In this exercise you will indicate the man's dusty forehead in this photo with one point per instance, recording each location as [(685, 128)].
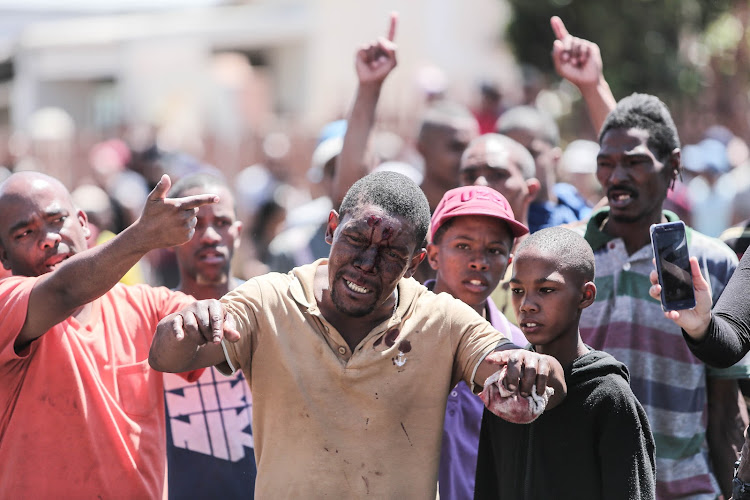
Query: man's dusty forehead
[(368, 214)]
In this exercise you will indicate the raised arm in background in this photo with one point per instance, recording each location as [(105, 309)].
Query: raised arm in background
[(373, 63), (580, 62)]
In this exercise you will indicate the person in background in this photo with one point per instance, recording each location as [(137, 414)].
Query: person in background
[(301, 241), (472, 234), (711, 189), (209, 434), (444, 132), (638, 160), (501, 163), (490, 106), (718, 336), (578, 167), (445, 129), (506, 166), (697, 437), (555, 202), (82, 412)]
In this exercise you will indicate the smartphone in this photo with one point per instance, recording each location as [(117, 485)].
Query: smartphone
[(673, 266)]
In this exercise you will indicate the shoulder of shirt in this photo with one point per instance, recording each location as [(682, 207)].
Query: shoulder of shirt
[(140, 290), (13, 282), (272, 278), (443, 302), (715, 247), (734, 232)]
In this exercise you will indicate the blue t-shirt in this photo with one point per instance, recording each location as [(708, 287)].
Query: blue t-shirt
[(570, 207)]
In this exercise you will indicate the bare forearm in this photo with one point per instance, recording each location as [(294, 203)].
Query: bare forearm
[(79, 280), (351, 164), (92, 273), (599, 102)]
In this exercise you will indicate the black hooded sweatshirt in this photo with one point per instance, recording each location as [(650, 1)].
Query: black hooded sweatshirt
[(597, 444)]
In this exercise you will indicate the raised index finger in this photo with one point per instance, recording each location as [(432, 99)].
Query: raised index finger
[(559, 28), (392, 26), (196, 200)]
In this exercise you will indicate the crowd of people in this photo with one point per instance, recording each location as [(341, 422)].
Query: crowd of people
[(476, 316)]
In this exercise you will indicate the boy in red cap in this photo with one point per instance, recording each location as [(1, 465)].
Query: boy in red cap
[(472, 233)]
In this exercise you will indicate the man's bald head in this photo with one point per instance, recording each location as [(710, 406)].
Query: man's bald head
[(495, 149), (40, 225), (22, 182)]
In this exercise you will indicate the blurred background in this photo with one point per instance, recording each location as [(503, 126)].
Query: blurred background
[(111, 93)]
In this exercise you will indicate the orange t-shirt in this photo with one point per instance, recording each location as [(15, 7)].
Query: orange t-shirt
[(81, 411)]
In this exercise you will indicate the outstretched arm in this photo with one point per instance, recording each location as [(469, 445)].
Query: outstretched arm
[(191, 339), (525, 368), (164, 222), (373, 62), (580, 62)]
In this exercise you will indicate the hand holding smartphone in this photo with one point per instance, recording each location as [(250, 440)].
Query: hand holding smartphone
[(673, 265)]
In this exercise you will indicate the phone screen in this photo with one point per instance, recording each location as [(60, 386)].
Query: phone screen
[(673, 265)]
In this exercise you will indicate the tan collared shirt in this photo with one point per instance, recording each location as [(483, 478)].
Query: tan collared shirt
[(329, 422)]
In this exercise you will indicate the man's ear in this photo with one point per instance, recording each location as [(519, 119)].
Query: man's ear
[(415, 261), (237, 230), (556, 154), (588, 296), (673, 164), (333, 223), (83, 219), (4, 257), (533, 186), (432, 255)]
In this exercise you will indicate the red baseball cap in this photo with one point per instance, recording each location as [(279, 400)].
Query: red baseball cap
[(475, 200)]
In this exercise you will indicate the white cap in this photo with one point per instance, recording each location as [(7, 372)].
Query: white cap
[(326, 150), (580, 157), (403, 168)]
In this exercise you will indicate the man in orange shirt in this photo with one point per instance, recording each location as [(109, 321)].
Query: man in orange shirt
[(81, 412)]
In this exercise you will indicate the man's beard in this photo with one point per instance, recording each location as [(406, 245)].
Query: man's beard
[(356, 313)]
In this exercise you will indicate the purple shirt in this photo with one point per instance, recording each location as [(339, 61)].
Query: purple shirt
[(463, 418)]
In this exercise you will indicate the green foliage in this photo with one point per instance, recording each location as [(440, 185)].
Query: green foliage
[(639, 39)]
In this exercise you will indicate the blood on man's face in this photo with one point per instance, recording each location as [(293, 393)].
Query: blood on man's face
[(371, 250)]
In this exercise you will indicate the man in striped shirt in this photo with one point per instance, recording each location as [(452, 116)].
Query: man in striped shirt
[(694, 411)]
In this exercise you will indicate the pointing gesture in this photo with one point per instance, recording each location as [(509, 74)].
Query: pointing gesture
[(576, 59), (166, 222), (375, 61), (580, 62)]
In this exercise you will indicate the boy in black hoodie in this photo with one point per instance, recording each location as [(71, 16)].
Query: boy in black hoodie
[(597, 444)]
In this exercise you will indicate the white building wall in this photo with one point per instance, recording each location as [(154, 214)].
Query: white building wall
[(161, 61)]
